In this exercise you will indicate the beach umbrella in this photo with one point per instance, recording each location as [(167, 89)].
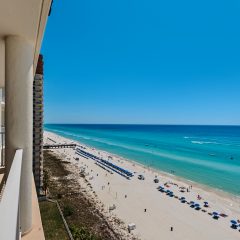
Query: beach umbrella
[(206, 204), (233, 222), (182, 199), (215, 215), (197, 205)]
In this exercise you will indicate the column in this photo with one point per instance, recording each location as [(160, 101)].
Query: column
[(19, 115)]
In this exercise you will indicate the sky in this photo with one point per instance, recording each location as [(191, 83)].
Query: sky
[(142, 62)]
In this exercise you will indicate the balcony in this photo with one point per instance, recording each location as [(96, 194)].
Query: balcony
[(10, 205), (22, 25)]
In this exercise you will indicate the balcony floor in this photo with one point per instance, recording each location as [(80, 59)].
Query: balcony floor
[(37, 229)]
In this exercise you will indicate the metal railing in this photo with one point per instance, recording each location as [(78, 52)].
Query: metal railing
[(9, 205)]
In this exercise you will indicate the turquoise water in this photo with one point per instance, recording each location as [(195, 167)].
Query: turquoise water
[(208, 155)]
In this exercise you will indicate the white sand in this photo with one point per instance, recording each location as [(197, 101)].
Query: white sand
[(162, 212)]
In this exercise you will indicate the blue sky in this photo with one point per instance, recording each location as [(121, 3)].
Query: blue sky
[(138, 61)]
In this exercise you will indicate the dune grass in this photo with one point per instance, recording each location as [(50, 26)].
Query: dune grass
[(52, 222)]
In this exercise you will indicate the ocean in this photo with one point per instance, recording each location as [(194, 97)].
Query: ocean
[(208, 155)]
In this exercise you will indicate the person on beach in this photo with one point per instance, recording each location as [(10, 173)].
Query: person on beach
[(171, 229), (145, 210)]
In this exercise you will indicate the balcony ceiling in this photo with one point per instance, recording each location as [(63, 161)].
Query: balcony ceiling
[(20, 17), (25, 18)]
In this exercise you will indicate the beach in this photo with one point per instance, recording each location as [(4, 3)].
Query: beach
[(155, 214)]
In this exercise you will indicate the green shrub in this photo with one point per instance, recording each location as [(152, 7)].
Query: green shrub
[(81, 233), (67, 211)]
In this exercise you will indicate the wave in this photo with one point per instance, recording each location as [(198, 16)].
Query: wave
[(202, 142), (215, 143), (71, 134), (97, 140), (224, 141)]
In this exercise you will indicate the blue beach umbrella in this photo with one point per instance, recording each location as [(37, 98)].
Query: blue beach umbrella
[(182, 199), (215, 213), (192, 205), (197, 205), (233, 222), (206, 204)]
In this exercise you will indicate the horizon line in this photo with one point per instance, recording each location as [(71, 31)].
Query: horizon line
[(151, 124)]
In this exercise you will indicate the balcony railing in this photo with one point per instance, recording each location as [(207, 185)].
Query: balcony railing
[(9, 205), (2, 148)]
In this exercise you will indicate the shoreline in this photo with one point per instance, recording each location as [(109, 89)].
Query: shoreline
[(202, 186), (222, 202), (205, 187)]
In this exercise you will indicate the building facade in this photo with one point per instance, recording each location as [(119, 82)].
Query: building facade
[(38, 126)]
